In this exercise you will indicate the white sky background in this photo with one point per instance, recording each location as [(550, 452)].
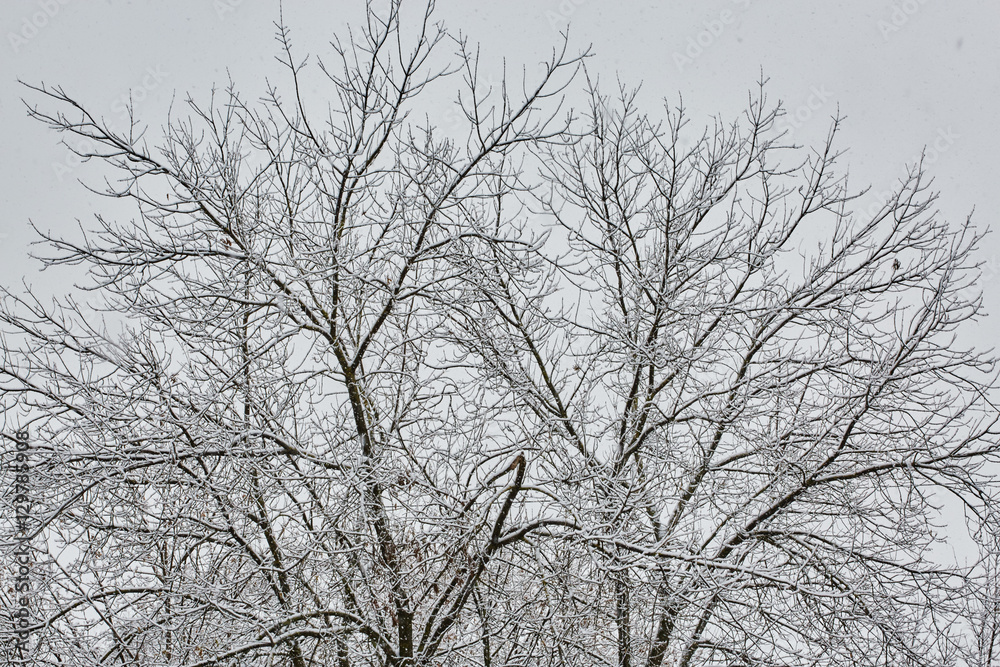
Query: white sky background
[(905, 73)]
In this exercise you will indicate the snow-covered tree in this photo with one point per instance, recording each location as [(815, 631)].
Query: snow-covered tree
[(541, 388)]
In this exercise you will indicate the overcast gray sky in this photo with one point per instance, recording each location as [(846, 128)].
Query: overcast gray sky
[(906, 74)]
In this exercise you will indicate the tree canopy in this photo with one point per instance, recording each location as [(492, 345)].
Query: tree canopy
[(561, 386)]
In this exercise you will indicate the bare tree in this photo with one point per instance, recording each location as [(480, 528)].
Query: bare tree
[(556, 391), (983, 613)]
